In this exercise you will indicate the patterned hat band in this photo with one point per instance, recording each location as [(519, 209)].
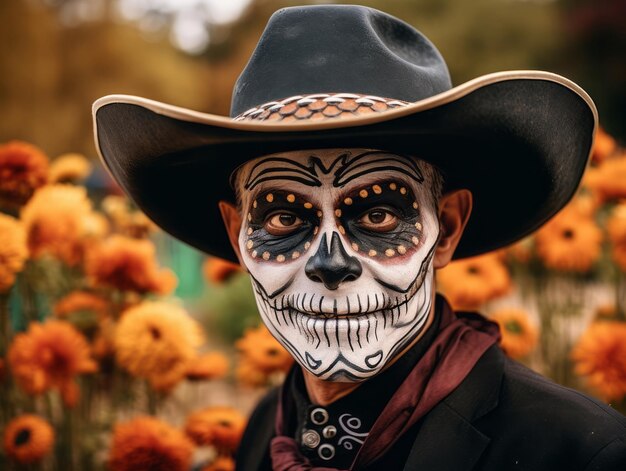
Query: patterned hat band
[(319, 106)]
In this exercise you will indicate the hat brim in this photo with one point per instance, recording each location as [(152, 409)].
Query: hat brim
[(519, 140)]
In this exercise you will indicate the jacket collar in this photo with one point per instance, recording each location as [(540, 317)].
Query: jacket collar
[(452, 420)]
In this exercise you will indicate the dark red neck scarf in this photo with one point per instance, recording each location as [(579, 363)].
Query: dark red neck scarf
[(461, 341)]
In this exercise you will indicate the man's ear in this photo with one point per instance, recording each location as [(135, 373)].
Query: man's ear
[(454, 212), (232, 222)]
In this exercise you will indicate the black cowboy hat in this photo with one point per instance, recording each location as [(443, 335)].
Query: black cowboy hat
[(519, 140)]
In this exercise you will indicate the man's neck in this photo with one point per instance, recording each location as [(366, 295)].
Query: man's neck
[(324, 393)]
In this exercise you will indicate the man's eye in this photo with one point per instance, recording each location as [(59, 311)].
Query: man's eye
[(282, 223), (380, 220)]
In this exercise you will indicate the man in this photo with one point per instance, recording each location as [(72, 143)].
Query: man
[(359, 171)]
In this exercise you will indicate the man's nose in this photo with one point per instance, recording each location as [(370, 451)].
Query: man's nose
[(332, 267)]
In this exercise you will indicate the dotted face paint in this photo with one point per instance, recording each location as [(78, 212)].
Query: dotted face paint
[(280, 226), (381, 220)]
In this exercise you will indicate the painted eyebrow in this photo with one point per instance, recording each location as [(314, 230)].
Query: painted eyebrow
[(282, 168), (346, 168), (357, 167)]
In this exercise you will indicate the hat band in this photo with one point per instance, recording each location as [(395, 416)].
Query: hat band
[(319, 106)]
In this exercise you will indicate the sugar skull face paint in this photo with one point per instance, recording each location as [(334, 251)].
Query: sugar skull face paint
[(339, 244)]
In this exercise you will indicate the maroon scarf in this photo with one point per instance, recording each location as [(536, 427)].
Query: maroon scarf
[(461, 341)]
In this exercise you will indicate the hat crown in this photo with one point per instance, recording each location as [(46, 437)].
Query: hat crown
[(339, 48)]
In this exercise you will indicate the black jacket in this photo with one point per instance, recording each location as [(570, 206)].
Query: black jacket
[(503, 416)]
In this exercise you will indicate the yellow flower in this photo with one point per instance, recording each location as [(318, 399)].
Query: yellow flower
[(28, 438), (23, 169), (470, 282), (217, 270), (600, 356), (128, 265), (221, 427), (50, 355), (13, 250), (211, 365), (55, 220), (157, 341), (519, 335), (69, 168), (146, 443), (571, 241)]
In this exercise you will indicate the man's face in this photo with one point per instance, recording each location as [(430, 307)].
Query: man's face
[(339, 244)]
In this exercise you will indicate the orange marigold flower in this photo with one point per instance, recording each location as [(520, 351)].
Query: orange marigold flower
[(127, 221), (608, 180), (569, 242), (157, 341), (221, 427), (616, 228), (217, 270), (150, 444), (128, 264), (103, 344), (55, 219), (13, 250), (221, 463), (28, 438), (603, 146), (69, 168), (50, 355), (248, 374), (23, 169), (81, 301), (519, 335), (261, 349), (211, 365), (470, 282), (600, 356)]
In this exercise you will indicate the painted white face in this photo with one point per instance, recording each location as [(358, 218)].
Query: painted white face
[(339, 244)]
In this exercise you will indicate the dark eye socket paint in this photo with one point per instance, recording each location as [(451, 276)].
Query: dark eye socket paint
[(393, 197), (280, 247)]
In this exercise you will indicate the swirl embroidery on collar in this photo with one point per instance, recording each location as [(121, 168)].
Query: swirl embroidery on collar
[(351, 425)]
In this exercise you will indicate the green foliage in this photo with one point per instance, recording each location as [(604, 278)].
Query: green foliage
[(230, 308)]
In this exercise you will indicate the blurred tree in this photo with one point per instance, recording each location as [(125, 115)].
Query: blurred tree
[(595, 53)]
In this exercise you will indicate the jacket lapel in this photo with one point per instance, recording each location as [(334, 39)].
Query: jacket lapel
[(447, 439)]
